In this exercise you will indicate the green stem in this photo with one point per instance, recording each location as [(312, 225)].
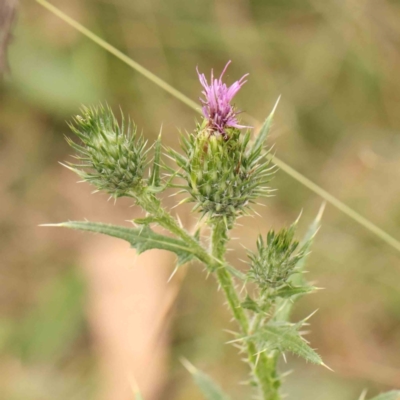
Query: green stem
[(261, 317), (263, 367), (153, 206)]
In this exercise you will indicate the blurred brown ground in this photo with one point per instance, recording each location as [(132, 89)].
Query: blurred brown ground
[(336, 65)]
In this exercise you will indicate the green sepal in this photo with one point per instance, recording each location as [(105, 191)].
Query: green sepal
[(206, 384), (141, 239)]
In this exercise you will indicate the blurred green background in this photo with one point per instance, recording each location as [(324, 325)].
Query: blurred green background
[(336, 65)]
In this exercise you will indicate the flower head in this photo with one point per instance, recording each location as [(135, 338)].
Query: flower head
[(217, 107)]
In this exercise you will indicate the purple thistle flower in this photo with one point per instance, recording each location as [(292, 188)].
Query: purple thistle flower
[(217, 107)]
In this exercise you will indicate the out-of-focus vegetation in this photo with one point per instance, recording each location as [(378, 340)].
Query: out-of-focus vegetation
[(336, 66)]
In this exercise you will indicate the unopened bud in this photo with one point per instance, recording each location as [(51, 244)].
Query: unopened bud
[(112, 160), (276, 259)]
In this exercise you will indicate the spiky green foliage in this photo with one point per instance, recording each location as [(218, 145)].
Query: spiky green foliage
[(272, 268), (141, 239), (112, 156), (224, 175), (284, 337)]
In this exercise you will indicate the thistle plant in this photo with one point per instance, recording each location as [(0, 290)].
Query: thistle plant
[(223, 169)]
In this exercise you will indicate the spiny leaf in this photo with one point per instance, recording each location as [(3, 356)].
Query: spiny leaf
[(142, 238), (262, 136), (289, 291), (208, 387), (393, 395), (154, 180), (309, 236), (285, 337), (250, 304)]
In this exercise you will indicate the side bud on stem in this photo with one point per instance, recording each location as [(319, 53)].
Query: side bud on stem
[(112, 157), (276, 258)]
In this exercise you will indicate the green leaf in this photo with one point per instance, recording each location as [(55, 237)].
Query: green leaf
[(154, 180), (285, 337), (141, 239), (250, 304), (309, 236), (208, 387), (289, 291), (393, 395), (262, 136)]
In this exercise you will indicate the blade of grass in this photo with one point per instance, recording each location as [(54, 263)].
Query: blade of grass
[(344, 208), (365, 222), (123, 57)]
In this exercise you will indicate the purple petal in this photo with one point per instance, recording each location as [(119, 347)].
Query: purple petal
[(217, 107)]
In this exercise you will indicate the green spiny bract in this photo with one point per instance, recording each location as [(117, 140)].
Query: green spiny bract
[(276, 259), (223, 176), (112, 157)]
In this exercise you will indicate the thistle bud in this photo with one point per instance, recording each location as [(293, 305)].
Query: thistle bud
[(276, 258), (223, 176), (220, 179), (110, 159)]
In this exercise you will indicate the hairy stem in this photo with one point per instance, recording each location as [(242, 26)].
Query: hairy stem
[(153, 206), (263, 368)]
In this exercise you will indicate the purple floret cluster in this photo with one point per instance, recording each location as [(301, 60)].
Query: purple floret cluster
[(217, 107)]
